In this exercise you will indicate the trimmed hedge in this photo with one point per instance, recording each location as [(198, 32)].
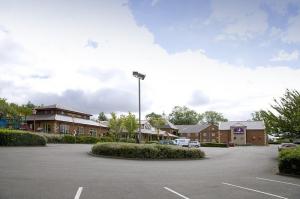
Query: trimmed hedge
[(146, 151), (20, 138), (289, 161), (210, 144)]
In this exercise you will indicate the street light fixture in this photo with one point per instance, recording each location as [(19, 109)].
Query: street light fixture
[(140, 77), (34, 113)]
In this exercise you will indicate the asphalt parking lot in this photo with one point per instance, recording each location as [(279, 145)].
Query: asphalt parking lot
[(67, 171)]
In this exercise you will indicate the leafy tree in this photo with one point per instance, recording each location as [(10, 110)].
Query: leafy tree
[(115, 125), (213, 117), (130, 124), (261, 116), (285, 115), (102, 117), (156, 121), (183, 115)]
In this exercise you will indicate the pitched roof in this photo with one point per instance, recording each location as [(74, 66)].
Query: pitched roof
[(61, 107), (169, 125), (64, 118), (196, 128), (255, 125)]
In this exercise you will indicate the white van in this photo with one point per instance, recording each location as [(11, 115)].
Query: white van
[(182, 142)]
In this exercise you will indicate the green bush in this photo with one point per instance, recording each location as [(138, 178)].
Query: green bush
[(209, 144), (106, 139), (87, 140), (52, 138), (152, 142), (69, 139), (20, 138), (146, 151), (289, 161), (130, 140)]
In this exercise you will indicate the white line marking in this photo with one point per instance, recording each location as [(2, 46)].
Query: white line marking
[(77, 196), (266, 179), (254, 190), (176, 193)]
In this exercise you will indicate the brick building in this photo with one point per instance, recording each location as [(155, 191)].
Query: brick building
[(62, 120), (243, 132), (201, 132)]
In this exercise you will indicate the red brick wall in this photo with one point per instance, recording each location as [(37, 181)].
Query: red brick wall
[(255, 137), (210, 134), (225, 136)]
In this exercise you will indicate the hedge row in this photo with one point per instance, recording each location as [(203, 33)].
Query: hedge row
[(70, 139), (289, 161), (146, 151), (20, 138), (210, 144)]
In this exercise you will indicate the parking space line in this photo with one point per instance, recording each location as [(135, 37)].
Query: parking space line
[(78, 193), (289, 183), (176, 193), (254, 190)]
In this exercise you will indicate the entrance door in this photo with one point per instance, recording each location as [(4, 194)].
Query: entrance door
[(238, 135)]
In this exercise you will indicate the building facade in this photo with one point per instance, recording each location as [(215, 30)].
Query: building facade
[(243, 132), (201, 132), (58, 119)]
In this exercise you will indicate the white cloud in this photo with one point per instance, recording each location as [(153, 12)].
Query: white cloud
[(285, 56), (54, 48), (241, 19), (292, 34)]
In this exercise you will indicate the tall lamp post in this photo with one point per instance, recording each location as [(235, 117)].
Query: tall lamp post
[(140, 77), (34, 113)]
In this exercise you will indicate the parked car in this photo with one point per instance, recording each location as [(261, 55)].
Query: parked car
[(286, 146), (166, 142), (182, 142), (194, 144)]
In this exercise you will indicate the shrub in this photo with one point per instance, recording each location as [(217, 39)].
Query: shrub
[(289, 161), (146, 151), (52, 138), (87, 140), (20, 138), (152, 142), (130, 140), (106, 139), (69, 139), (209, 144)]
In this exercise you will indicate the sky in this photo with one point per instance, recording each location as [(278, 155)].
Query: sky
[(230, 56)]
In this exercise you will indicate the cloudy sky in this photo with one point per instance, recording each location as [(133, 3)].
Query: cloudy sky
[(229, 56)]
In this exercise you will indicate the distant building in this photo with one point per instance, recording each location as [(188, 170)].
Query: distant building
[(170, 128), (202, 132), (62, 120), (243, 132)]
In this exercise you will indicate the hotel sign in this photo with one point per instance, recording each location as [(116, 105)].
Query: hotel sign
[(238, 130)]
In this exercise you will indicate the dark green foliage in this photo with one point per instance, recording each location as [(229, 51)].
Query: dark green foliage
[(69, 139), (87, 140), (146, 151), (152, 142), (129, 140), (106, 139), (289, 161), (210, 144), (184, 115), (213, 117), (20, 138)]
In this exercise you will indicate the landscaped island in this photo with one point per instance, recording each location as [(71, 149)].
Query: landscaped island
[(146, 151)]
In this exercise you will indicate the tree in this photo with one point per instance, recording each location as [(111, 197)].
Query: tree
[(183, 115), (156, 121), (102, 117), (285, 116), (130, 124), (213, 117), (115, 125), (261, 116)]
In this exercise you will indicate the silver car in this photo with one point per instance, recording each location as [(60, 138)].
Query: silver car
[(194, 144), (286, 146)]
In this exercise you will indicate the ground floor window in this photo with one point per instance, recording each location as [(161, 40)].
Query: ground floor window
[(93, 132), (63, 128), (46, 128), (80, 130)]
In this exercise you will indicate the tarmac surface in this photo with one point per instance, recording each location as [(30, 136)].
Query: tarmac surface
[(67, 171)]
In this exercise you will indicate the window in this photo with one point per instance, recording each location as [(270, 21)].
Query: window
[(46, 128), (63, 128), (213, 134), (93, 132), (80, 130), (204, 134)]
